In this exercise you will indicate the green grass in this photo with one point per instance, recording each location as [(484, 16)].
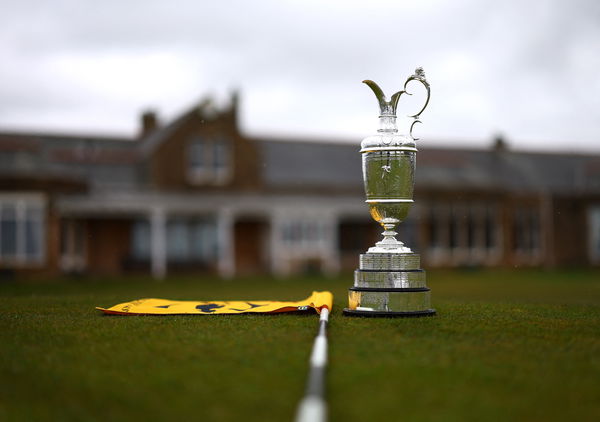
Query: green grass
[(505, 346)]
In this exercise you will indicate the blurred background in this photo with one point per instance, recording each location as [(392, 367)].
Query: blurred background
[(152, 137)]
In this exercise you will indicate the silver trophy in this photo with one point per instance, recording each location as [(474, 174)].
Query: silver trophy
[(389, 281)]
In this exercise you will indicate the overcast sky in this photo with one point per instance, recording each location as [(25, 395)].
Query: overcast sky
[(527, 69)]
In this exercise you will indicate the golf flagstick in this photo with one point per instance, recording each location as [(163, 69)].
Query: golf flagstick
[(313, 408)]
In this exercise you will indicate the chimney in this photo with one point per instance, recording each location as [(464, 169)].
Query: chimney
[(149, 123), (499, 143), (234, 104)]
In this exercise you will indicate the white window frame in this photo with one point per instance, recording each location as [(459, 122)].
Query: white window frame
[(22, 201)]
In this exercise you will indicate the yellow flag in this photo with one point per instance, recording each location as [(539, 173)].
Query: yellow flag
[(316, 301)]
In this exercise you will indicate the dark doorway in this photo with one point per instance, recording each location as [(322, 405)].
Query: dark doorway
[(250, 246), (107, 244)]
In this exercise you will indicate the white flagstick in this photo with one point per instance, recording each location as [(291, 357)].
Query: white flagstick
[(313, 408)]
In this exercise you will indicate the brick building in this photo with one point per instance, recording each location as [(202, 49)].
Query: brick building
[(197, 195)]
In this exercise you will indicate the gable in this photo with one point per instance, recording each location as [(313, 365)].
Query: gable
[(204, 152)]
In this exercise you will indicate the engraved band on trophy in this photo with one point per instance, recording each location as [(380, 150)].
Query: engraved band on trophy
[(389, 280)]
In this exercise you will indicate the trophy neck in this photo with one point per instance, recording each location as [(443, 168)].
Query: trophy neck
[(387, 124)]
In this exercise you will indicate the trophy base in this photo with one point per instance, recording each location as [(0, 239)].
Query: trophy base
[(389, 285), (383, 314)]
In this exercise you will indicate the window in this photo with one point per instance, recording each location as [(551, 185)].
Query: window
[(435, 235), (8, 231), (191, 240), (140, 240), (209, 160), (203, 241), (594, 230), (489, 229), (188, 240), (21, 229), (177, 240), (303, 232), (219, 156), (526, 230), (463, 233), (453, 229), (33, 232), (197, 156)]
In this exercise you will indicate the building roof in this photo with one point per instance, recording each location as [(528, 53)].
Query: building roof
[(300, 163), (303, 165), (101, 161), (307, 164)]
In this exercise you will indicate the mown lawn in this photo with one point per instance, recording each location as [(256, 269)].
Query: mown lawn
[(521, 345)]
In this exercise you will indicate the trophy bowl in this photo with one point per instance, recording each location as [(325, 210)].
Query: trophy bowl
[(389, 178)]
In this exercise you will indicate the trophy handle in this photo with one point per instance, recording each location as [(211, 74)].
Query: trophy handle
[(411, 129), (419, 75)]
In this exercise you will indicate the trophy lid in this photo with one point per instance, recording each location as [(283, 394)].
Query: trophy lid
[(387, 137)]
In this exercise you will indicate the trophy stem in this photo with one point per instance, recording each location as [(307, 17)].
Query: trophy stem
[(389, 235)]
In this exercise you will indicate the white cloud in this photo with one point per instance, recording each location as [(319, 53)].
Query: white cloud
[(527, 69)]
